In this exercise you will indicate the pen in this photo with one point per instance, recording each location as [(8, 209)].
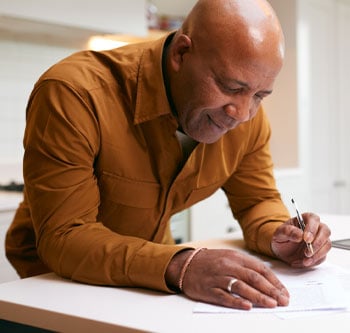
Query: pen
[(302, 225)]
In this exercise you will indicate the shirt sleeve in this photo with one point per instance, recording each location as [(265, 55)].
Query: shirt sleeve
[(251, 191), (61, 144)]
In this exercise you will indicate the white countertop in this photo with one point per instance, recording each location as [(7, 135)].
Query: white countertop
[(58, 304)]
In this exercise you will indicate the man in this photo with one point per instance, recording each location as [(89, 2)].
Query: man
[(118, 141)]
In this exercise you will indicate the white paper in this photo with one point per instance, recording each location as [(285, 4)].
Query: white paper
[(323, 288)]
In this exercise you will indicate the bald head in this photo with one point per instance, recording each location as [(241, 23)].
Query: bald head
[(250, 25), (221, 63)]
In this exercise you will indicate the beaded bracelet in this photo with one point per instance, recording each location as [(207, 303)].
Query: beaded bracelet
[(185, 266)]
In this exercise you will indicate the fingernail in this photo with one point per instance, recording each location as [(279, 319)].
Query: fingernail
[(308, 262), (272, 303), (283, 300), (309, 237), (285, 292), (247, 305)]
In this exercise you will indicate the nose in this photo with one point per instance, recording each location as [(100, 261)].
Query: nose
[(240, 111)]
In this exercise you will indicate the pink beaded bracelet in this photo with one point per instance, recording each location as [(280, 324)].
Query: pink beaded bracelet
[(185, 266)]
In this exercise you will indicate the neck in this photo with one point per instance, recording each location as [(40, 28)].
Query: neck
[(166, 77)]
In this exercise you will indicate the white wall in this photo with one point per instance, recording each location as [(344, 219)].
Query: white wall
[(20, 66), (174, 8), (108, 16), (34, 35), (282, 105)]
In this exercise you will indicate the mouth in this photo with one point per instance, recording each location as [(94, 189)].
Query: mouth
[(223, 127)]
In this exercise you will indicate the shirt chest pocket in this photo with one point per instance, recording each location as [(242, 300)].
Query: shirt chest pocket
[(128, 192), (129, 207)]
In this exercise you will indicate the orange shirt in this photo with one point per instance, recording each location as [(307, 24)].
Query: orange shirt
[(103, 173)]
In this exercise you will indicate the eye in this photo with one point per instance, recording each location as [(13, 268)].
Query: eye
[(234, 90), (231, 90), (228, 89), (259, 97)]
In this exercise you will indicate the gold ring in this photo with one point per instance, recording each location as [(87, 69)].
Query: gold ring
[(230, 284)]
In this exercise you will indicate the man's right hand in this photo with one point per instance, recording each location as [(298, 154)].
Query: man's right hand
[(210, 271)]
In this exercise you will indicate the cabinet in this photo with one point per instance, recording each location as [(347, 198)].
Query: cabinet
[(212, 218)]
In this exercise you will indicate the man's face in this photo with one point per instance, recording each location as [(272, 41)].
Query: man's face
[(217, 91)]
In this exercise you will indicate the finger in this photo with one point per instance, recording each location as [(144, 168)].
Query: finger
[(243, 290), (223, 298), (242, 296), (291, 232), (322, 236), (321, 242), (258, 271), (263, 283), (318, 256), (262, 278), (311, 222), (221, 295), (288, 233), (312, 225)]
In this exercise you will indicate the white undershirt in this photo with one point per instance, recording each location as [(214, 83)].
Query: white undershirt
[(187, 145)]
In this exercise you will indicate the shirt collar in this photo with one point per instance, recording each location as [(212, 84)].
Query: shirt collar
[(151, 98)]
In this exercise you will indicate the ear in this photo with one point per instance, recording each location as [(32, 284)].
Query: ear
[(181, 45)]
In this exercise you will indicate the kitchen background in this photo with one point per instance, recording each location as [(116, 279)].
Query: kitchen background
[(308, 110)]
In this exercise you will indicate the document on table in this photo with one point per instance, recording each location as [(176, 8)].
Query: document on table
[(322, 288)]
